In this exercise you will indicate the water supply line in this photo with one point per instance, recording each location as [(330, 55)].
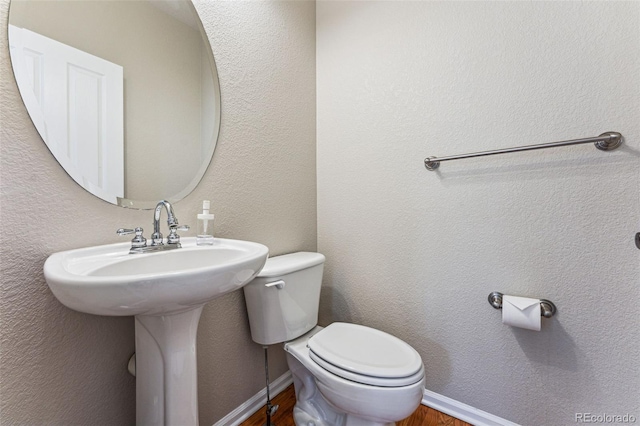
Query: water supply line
[(271, 409)]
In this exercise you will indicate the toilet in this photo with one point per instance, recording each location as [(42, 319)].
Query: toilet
[(344, 374)]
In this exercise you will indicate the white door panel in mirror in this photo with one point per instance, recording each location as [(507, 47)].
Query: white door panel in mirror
[(79, 97)]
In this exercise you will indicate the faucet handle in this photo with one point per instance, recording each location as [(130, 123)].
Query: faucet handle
[(138, 240), (124, 231), (173, 237)]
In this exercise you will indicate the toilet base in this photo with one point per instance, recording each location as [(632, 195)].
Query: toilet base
[(303, 418), (354, 421), (313, 409)]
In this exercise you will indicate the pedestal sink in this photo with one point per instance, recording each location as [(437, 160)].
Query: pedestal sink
[(166, 292)]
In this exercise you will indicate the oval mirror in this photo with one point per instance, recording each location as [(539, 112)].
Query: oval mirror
[(124, 93)]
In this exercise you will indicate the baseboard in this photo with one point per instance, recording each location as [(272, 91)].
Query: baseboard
[(462, 411), (431, 399), (256, 402)]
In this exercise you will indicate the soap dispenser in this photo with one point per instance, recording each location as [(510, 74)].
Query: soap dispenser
[(205, 225)]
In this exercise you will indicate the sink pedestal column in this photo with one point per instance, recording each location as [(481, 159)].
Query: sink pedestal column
[(166, 370)]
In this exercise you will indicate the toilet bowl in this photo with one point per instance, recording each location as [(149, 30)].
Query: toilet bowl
[(352, 392), (344, 374)]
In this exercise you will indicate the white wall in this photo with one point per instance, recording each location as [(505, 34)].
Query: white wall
[(61, 367), (416, 253)]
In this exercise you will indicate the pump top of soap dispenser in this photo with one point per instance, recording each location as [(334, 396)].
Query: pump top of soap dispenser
[(205, 215)]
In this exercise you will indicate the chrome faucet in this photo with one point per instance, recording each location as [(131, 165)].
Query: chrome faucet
[(172, 222), (139, 243)]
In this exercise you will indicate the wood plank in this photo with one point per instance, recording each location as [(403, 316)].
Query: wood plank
[(423, 416)]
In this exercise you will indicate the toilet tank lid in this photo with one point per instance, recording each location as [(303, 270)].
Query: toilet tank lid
[(287, 263)]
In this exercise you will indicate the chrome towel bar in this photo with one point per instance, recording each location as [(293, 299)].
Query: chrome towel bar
[(605, 142)]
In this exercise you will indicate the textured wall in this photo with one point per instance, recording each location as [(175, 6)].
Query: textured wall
[(62, 367), (416, 253)]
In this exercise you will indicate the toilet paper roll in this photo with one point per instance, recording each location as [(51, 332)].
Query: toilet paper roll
[(521, 312)]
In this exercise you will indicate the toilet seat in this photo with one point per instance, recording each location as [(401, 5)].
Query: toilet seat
[(365, 355), (368, 380)]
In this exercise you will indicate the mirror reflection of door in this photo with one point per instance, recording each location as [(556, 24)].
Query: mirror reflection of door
[(80, 98)]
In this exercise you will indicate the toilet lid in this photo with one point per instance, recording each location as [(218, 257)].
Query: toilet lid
[(364, 351)]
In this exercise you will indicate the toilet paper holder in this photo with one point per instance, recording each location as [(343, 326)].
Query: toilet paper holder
[(547, 308)]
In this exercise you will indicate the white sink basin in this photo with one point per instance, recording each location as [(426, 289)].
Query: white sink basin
[(166, 292), (107, 280)]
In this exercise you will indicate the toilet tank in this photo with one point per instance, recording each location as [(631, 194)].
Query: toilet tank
[(283, 299)]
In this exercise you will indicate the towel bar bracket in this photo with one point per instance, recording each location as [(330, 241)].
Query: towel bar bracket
[(614, 141)]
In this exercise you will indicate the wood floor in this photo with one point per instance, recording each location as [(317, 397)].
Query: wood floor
[(423, 416)]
